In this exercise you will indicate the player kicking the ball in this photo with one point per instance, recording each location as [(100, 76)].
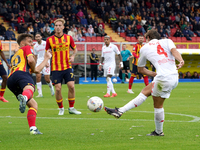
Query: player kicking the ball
[(39, 50), (20, 81), (61, 67), (162, 54), (108, 58)]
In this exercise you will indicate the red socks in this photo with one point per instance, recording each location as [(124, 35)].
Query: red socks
[(60, 103), (28, 93), (31, 116), (71, 102), (131, 82), (2, 92), (146, 80)]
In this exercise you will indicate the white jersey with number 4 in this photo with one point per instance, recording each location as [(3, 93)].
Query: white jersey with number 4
[(39, 50), (109, 54), (158, 52)]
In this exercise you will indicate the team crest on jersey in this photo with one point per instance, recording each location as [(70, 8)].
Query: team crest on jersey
[(64, 40), (55, 81)]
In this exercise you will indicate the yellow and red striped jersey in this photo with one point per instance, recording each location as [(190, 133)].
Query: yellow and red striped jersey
[(0, 50), (60, 47), (19, 61), (136, 53)]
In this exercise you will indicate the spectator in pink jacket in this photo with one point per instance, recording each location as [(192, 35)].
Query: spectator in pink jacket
[(80, 14)]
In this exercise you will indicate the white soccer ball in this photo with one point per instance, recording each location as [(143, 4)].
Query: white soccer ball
[(127, 79), (95, 104), (114, 80)]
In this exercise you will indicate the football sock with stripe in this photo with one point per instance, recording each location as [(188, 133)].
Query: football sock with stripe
[(71, 102), (2, 91), (123, 77), (133, 103), (146, 80), (130, 82), (129, 75), (39, 87), (60, 103), (159, 119), (31, 116), (28, 93)]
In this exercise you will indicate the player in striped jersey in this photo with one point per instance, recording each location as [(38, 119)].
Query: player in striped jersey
[(3, 75), (134, 72), (20, 81), (61, 68)]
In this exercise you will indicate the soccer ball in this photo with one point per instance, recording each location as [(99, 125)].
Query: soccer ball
[(95, 104), (127, 79), (114, 80)]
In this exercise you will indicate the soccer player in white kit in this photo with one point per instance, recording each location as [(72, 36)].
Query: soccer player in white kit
[(108, 61), (162, 54), (39, 50)]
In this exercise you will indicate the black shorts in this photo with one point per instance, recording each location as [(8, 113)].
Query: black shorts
[(135, 70), (2, 71), (18, 80), (126, 65), (58, 76)]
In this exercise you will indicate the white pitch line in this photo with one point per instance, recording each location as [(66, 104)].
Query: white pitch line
[(195, 118)]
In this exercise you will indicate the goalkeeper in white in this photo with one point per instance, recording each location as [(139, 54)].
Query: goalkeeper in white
[(108, 61)]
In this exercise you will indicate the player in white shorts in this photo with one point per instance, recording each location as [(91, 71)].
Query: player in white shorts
[(39, 50), (108, 60), (162, 54)]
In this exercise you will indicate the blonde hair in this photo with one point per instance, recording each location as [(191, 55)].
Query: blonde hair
[(61, 20)]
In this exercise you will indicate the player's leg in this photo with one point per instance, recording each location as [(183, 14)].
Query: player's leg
[(158, 116), (95, 73), (129, 74), (71, 98), (39, 84), (117, 112), (92, 73), (57, 77), (123, 76), (49, 83), (3, 75), (133, 75), (146, 80)]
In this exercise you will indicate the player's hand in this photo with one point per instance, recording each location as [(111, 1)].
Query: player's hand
[(121, 65), (71, 59), (127, 58), (48, 54), (9, 67), (154, 74), (181, 63), (47, 65), (100, 67)]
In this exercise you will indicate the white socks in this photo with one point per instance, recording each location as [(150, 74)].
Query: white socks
[(33, 127), (133, 103), (39, 87), (50, 84), (159, 119)]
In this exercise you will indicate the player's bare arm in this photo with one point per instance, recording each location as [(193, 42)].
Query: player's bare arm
[(178, 57), (31, 62), (4, 58), (145, 71), (120, 59), (73, 55), (47, 56), (101, 63)]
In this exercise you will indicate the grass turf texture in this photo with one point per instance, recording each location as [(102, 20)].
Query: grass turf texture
[(100, 130)]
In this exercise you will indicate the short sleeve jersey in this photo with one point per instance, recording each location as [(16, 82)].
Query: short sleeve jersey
[(158, 52), (125, 54), (19, 61), (39, 50), (109, 54), (136, 50), (60, 47)]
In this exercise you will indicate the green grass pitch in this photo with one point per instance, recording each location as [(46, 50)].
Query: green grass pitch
[(99, 130)]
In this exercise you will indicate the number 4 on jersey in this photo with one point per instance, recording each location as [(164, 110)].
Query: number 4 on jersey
[(161, 51)]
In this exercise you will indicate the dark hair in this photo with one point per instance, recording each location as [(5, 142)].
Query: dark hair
[(22, 37), (38, 33), (152, 34)]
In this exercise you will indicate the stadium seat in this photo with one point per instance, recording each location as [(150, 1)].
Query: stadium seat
[(133, 39), (173, 31), (99, 47), (88, 39), (123, 35), (128, 38), (178, 39), (194, 39), (181, 46), (89, 47), (183, 39), (174, 39), (94, 39), (193, 46), (98, 39), (198, 39)]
